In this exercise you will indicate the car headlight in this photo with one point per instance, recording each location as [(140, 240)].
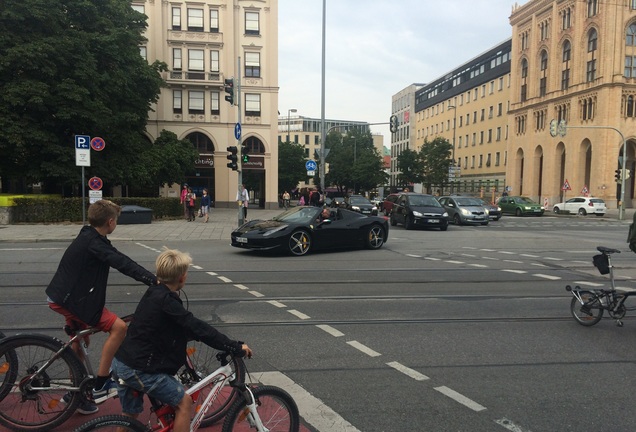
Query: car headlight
[(498, 208), (542, 208), (527, 208), (355, 208), (487, 211), (417, 214), (272, 231), (374, 208), (445, 214), (465, 212)]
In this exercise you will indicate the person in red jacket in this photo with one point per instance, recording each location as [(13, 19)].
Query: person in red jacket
[(78, 288)]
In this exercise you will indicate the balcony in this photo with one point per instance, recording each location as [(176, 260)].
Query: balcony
[(212, 78)]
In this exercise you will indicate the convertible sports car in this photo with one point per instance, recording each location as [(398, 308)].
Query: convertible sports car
[(302, 229)]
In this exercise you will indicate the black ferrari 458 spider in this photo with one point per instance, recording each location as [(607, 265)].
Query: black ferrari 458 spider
[(302, 229)]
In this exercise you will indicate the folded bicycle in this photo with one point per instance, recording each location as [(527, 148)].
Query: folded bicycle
[(37, 371), (588, 305), (259, 408)]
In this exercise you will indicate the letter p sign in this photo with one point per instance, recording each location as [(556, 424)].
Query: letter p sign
[(82, 142)]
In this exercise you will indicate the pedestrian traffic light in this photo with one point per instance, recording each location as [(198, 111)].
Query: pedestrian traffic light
[(229, 89), (393, 123), (618, 176), (245, 157), (233, 158), (628, 174)]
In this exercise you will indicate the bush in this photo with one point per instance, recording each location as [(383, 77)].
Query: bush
[(50, 210)]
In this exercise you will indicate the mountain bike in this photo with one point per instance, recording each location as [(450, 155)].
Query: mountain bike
[(263, 409), (588, 305), (39, 370)]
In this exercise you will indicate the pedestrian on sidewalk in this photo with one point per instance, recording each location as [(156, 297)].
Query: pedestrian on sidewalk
[(205, 205), (286, 199), (191, 198), (184, 193), (243, 198)]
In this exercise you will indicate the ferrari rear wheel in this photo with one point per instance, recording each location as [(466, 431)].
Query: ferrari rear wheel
[(299, 243), (375, 237)]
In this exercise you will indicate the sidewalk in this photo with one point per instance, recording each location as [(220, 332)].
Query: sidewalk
[(221, 224)]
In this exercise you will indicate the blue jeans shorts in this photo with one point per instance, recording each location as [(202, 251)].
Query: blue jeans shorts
[(132, 384)]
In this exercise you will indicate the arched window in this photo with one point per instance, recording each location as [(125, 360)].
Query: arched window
[(592, 40), (630, 37), (565, 72), (201, 142), (567, 51), (524, 68), (544, 69), (524, 76), (630, 106)]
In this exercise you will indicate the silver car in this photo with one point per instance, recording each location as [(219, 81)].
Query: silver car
[(464, 210)]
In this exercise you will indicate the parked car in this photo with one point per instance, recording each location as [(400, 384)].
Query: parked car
[(387, 204), (360, 204), (301, 230), (418, 210), (337, 202), (520, 206), (582, 206), (494, 211), (464, 210)]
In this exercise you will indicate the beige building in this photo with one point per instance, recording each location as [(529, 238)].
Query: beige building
[(468, 106), (202, 42), (573, 61), (403, 107)]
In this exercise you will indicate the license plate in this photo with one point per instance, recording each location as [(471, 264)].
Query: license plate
[(433, 221), (366, 211), (241, 240)]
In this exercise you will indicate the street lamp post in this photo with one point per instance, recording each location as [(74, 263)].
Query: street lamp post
[(454, 108), (292, 110)]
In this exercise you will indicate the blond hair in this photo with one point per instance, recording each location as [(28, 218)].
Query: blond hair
[(172, 264), (100, 212)]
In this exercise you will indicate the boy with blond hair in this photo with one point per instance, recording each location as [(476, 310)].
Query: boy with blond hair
[(155, 346), (78, 289)]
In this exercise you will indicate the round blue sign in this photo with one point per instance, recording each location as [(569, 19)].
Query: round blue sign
[(311, 165)]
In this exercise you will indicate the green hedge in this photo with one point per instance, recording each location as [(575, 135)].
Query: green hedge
[(42, 210)]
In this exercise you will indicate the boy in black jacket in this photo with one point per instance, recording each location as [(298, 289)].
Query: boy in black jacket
[(155, 346), (78, 288)]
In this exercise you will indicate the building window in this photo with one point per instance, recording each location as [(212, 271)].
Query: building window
[(630, 38), (176, 18), (566, 18), (544, 30), (591, 70), (195, 20), (592, 8), (587, 109), (592, 40), (489, 135), (544, 69), (565, 79), (143, 52), (499, 109), (252, 26), (176, 59), (252, 105), (196, 103), (214, 20), (630, 67), (214, 62), (252, 64), (633, 4), (139, 8), (629, 109), (195, 64), (214, 103), (483, 114), (562, 113), (498, 134), (176, 101), (524, 76)]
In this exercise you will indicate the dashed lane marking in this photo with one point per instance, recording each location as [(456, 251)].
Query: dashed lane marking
[(363, 348), (545, 276), (332, 331), (586, 283), (197, 267), (414, 256), (298, 314), (478, 265), (408, 371), (458, 397), (513, 261), (256, 294), (455, 262), (514, 271), (276, 303), (506, 253), (224, 279), (241, 286), (432, 259), (212, 273), (529, 255)]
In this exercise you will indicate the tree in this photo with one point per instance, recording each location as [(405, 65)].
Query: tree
[(410, 167), (72, 68), (291, 166), (435, 159)]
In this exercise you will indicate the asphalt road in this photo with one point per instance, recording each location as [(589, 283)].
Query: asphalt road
[(464, 330)]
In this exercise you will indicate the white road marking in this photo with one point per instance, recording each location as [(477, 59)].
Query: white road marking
[(414, 256), (276, 303), (298, 314), (479, 265), (513, 261), (240, 286), (553, 259), (538, 264), (197, 267), (586, 283), (454, 262), (469, 255), (256, 294), (529, 256), (365, 349), (458, 397), (490, 258), (514, 271), (510, 425), (432, 259), (408, 371), (212, 273), (224, 279), (332, 331), (487, 250), (312, 409), (507, 253), (545, 276)]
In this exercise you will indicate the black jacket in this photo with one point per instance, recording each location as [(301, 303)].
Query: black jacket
[(157, 337), (79, 284)]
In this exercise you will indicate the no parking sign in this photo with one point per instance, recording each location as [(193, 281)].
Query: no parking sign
[(95, 183)]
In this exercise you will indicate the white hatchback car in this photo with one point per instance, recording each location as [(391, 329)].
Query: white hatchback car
[(582, 206)]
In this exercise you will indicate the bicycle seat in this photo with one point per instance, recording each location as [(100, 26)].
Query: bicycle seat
[(607, 250)]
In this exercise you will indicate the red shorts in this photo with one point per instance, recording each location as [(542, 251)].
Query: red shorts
[(105, 322)]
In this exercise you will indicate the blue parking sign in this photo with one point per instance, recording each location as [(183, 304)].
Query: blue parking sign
[(82, 142)]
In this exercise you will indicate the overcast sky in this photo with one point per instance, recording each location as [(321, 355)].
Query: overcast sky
[(375, 48)]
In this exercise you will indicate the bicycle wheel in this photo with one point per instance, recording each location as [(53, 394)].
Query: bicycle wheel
[(588, 313), (204, 362), (275, 407), (8, 371), (25, 408), (114, 423)]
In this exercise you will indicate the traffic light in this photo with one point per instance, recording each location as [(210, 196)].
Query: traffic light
[(229, 89), (618, 176), (245, 157), (393, 121), (233, 158), (628, 174)]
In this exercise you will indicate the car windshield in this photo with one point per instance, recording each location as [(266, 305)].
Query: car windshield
[(298, 215), (524, 200), (359, 200), (597, 200), (424, 201), (468, 202)]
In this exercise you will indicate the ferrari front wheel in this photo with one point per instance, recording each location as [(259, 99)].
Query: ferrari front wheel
[(299, 243), (375, 237)]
